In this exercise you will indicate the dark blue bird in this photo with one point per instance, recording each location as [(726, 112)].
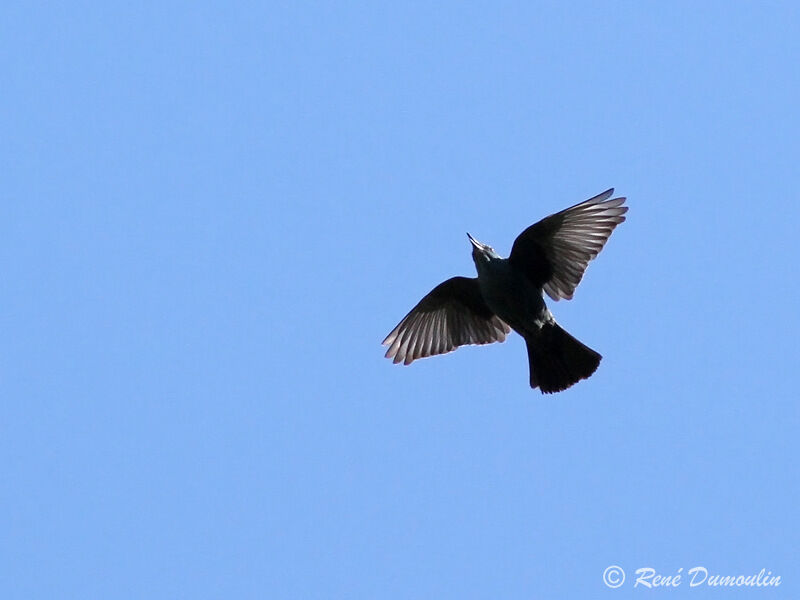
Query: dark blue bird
[(549, 256)]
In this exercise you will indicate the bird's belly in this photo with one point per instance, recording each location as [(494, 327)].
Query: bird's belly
[(516, 301)]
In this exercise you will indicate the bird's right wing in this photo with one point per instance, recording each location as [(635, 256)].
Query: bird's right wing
[(451, 315), (555, 252)]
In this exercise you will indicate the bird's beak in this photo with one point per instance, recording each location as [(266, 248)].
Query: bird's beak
[(475, 243)]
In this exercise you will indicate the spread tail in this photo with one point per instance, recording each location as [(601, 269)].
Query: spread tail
[(557, 360)]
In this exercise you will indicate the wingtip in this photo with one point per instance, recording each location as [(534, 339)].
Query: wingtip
[(598, 199)]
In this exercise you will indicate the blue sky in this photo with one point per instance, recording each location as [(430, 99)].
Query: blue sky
[(214, 213)]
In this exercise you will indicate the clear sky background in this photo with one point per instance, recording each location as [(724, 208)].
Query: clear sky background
[(213, 213)]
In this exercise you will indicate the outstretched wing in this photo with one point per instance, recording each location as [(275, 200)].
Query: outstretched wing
[(554, 252), (451, 315)]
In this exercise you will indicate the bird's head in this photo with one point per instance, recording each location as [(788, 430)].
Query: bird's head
[(481, 253)]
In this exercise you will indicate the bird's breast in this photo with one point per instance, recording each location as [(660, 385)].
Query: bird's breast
[(511, 296)]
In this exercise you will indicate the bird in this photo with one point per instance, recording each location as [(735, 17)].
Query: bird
[(549, 257)]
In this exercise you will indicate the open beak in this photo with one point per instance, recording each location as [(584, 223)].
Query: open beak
[(475, 242)]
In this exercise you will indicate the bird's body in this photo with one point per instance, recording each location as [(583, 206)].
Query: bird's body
[(548, 257), (511, 295)]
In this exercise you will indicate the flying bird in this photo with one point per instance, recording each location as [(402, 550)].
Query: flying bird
[(549, 257)]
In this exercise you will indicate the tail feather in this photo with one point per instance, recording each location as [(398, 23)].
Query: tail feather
[(557, 360)]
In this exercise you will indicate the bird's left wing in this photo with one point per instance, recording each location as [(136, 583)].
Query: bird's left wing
[(451, 315), (555, 252)]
